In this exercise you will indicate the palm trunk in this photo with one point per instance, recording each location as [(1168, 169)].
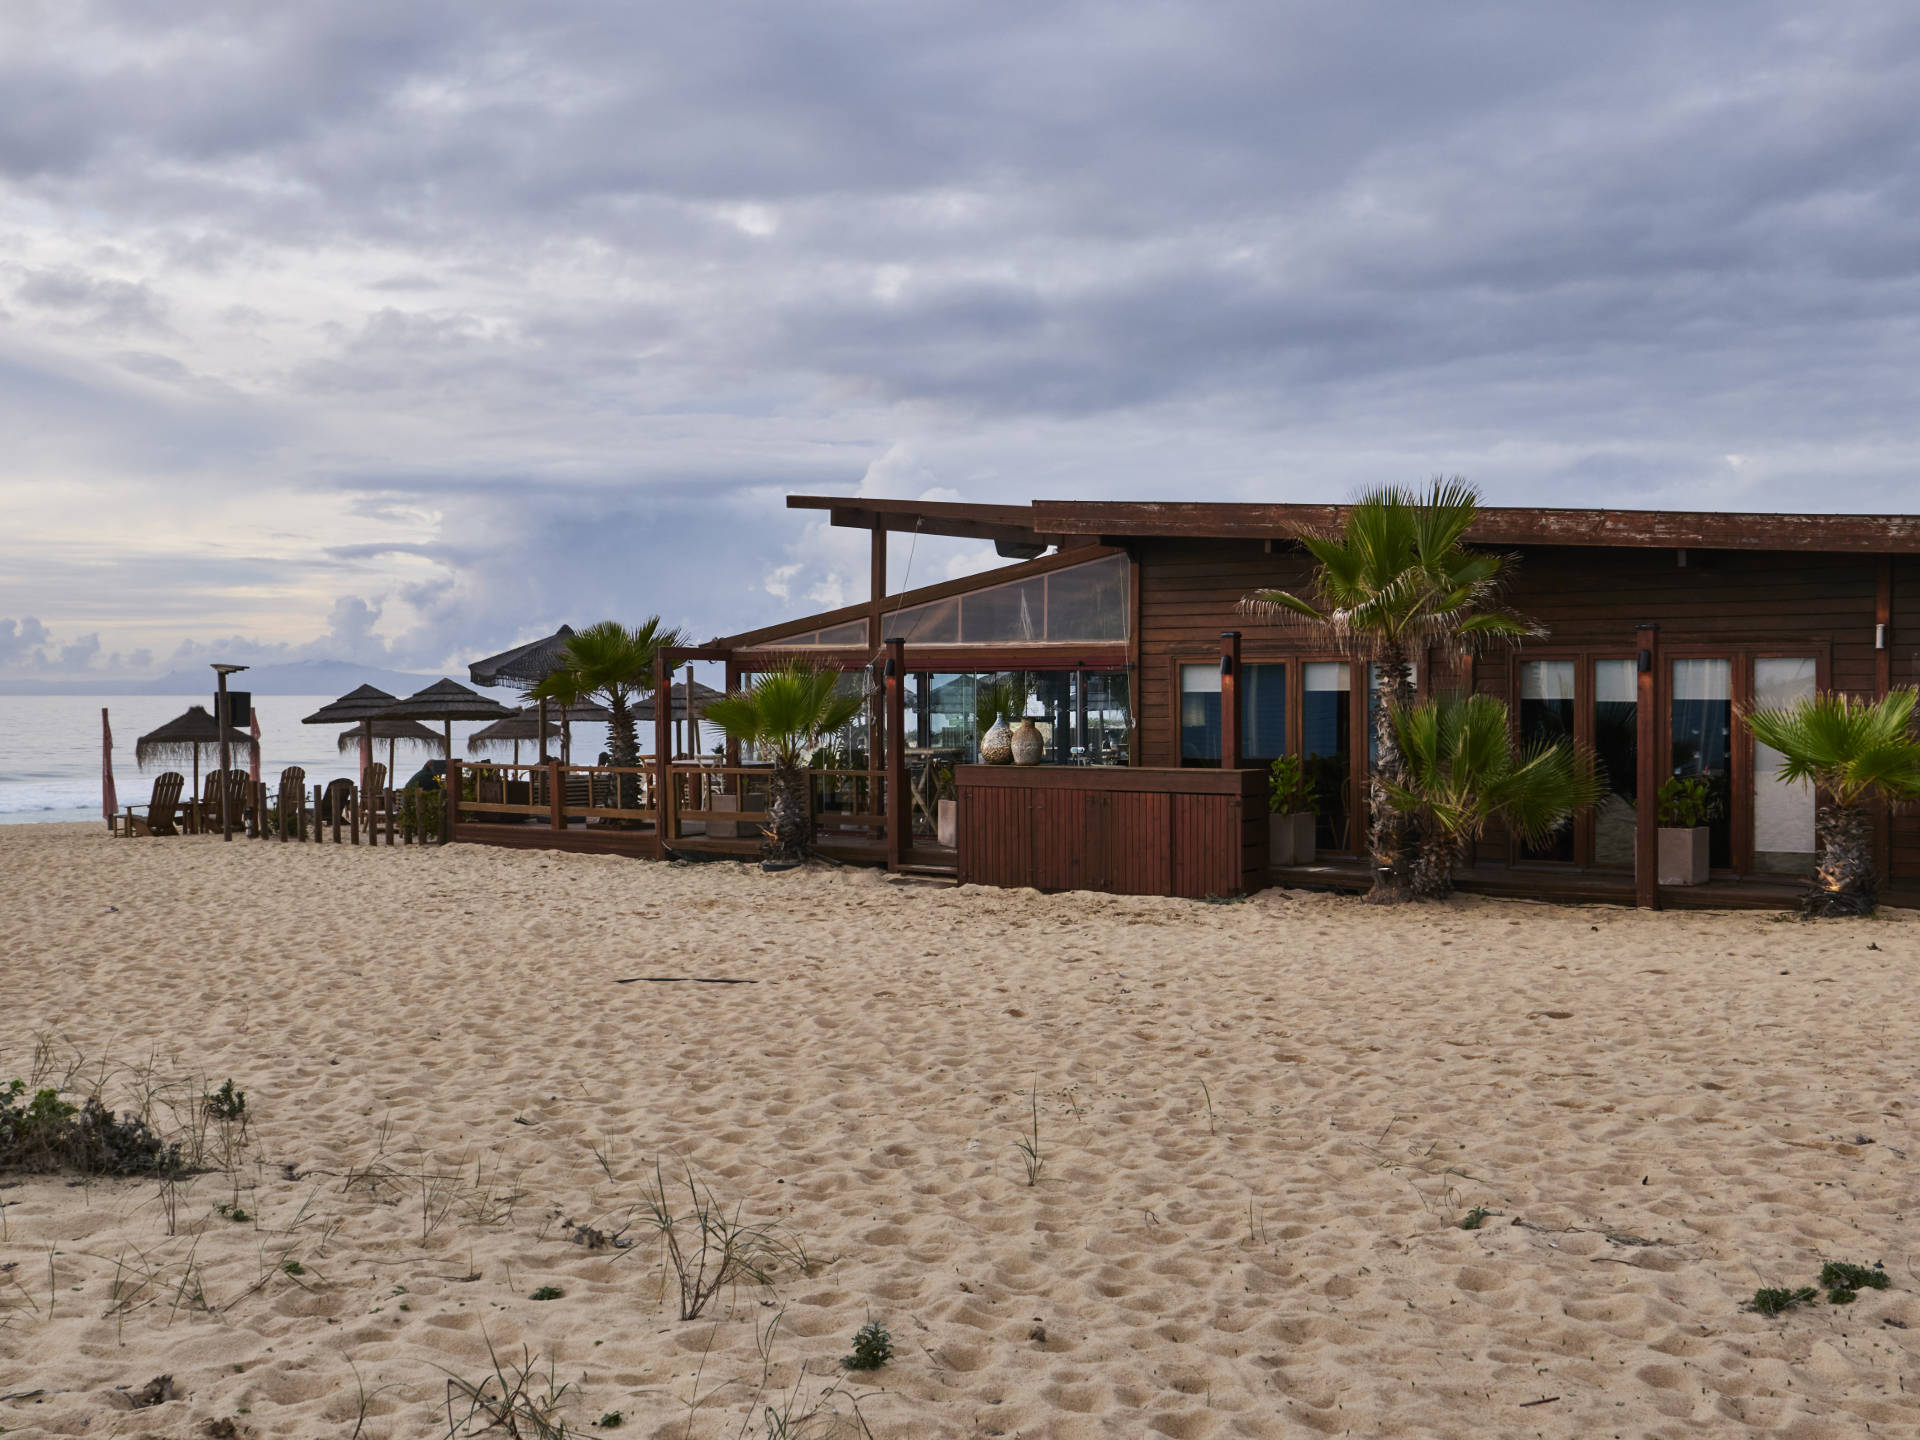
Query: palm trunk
[(1392, 837), (1430, 867), (791, 816), (1843, 881), (623, 749)]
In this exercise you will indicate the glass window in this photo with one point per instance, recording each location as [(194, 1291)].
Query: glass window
[(1088, 602), (1703, 741), (1263, 713), (1782, 813), (1106, 704), (1077, 603), (1616, 742), (1200, 714), (1546, 718), (1327, 734)]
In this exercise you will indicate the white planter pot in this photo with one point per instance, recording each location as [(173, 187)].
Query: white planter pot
[(1290, 839), (724, 829), (946, 825), (1682, 856)]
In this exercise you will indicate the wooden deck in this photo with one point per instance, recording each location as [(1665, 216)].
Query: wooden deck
[(1586, 887)]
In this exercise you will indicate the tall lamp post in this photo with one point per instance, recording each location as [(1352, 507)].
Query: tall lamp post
[(226, 749)]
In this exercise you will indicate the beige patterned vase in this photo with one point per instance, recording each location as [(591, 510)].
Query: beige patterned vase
[(1028, 743)]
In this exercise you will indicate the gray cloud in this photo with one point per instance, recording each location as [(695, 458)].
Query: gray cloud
[(401, 332)]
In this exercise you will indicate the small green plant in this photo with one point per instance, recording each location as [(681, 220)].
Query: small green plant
[(872, 1347), (511, 1400), (1685, 803), (48, 1133), (1029, 1144), (232, 1212), (1844, 1282), (1288, 790), (294, 1267), (547, 1292), (1777, 1301), (227, 1103), (1476, 1217), (612, 1420)]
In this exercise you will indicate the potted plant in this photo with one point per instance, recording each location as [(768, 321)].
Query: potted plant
[(1686, 804), (946, 830), (1291, 821)]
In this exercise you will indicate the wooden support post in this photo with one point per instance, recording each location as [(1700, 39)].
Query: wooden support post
[(409, 823), (1882, 683), (663, 746), (556, 797), (899, 803), (877, 585), (353, 809), (1231, 757), (253, 810), (280, 812), (335, 818), (1646, 839), (319, 831), (453, 801)]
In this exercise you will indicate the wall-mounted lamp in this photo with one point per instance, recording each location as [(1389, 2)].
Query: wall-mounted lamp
[(892, 669), (1879, 637), (1226, 664), (1646, 662)]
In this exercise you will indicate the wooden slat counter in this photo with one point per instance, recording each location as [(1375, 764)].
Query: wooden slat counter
[(1125, 830)]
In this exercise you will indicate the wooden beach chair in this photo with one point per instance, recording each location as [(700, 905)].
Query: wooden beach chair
[(163, 809), (292, 806), (374, 802), (334, 803)]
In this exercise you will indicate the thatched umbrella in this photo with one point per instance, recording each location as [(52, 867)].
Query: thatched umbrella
[(524, 667), (446, 701), (357, 707), (524, 725), (182, 738), (703, 696), (394, 732)]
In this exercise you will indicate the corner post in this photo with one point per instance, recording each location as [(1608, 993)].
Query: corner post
[(556, 797), (1646, 837), (1230, 738), (877, 583), (1882, 683), (663, 746), (899, 805)]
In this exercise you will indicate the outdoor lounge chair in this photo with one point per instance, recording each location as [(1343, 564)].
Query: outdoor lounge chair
[(163, 810), (291, 809)]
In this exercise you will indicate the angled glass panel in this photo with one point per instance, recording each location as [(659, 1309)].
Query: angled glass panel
[(1079, 603)]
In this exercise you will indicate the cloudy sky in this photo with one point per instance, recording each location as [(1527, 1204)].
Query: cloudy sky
[(398, 330)]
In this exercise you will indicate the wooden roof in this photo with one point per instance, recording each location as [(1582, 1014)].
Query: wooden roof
[(1066, 522)]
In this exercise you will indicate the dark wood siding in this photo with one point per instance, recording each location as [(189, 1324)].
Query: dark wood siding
[(1131, 831), (1589, 599), (1903, 638)]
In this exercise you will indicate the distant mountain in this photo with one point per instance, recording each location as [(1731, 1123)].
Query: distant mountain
[(301, 677)]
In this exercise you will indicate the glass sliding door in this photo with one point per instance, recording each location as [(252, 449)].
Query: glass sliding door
[(1263, 713), (1702, 742), (1105, 703), (1616, 743), (1200, 714), (1326, 729), (1782, 813), (1546, 718)]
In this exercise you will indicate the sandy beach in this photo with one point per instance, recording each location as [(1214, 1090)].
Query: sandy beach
[(1259, 1125)]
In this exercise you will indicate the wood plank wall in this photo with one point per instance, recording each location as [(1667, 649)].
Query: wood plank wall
[(1588, 598)]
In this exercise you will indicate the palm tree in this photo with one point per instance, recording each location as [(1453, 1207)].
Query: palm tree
[(786, 715), (1396, 581), (1853, 752), (1459, 772), (615, 664)]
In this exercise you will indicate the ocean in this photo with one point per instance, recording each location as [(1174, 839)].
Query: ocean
[(50, 749)]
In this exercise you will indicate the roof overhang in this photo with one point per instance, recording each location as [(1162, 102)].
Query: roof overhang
[(1068, 523)]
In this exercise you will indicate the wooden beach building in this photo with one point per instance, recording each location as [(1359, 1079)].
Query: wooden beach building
[(1162, 705)]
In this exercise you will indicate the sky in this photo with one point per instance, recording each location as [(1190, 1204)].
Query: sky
[(397, 331)]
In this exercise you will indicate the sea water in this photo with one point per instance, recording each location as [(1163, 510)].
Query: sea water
[(50, 749)]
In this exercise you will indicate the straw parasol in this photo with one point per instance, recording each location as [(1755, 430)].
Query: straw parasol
[(524, 666), (525, 724), (357, 707), (182, 738), (447, 701), (394, 732), (703, 696)]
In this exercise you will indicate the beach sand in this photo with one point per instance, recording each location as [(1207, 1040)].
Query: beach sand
[(1261, 1126)]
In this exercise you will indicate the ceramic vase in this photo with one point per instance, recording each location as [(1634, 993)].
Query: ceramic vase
[(996, 746), (1028, 743)]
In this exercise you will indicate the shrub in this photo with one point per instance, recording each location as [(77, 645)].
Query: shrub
[(1288, 790), (1686, 804), (872, 1347), (47, 1133)]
